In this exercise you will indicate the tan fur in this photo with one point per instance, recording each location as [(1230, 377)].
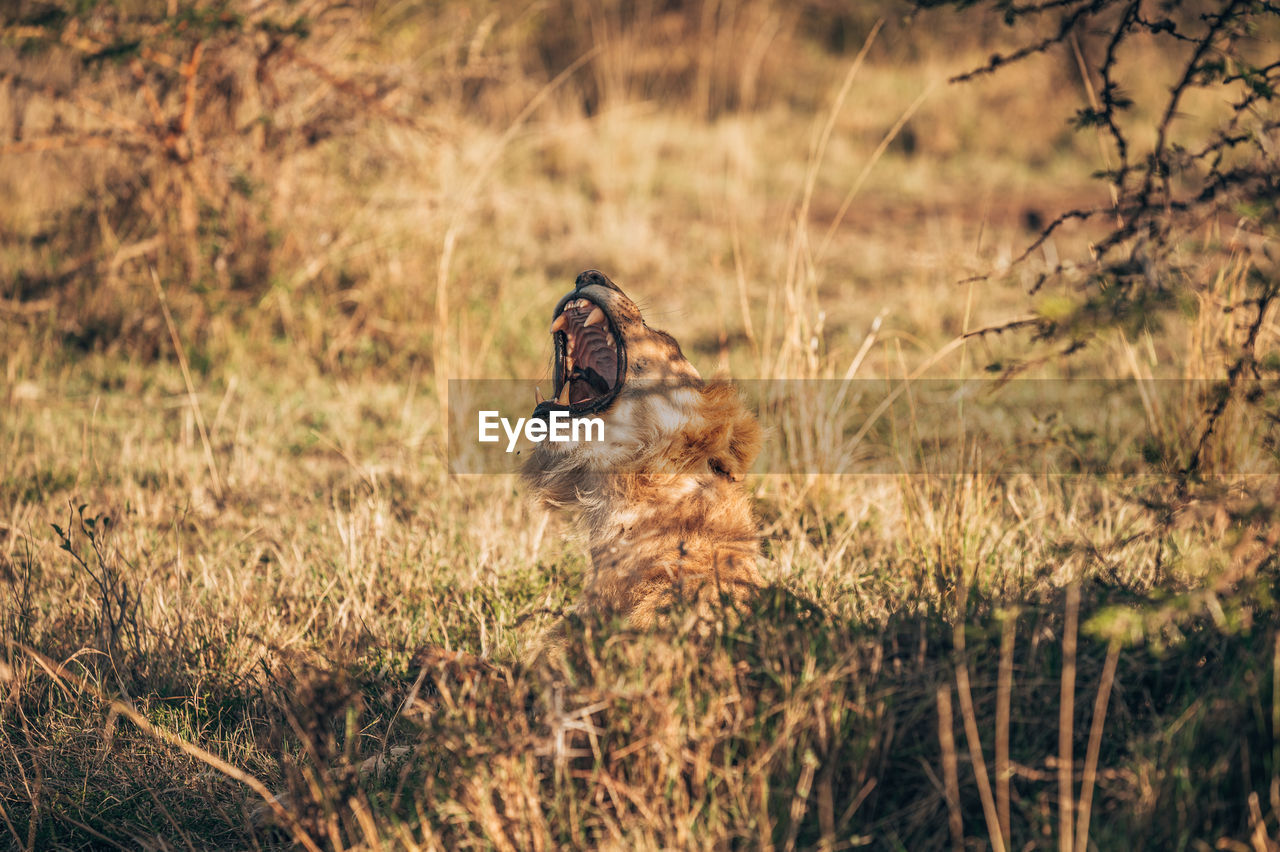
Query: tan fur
[(660, 501)]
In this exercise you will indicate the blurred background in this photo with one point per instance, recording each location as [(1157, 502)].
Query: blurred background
[(405, 186)]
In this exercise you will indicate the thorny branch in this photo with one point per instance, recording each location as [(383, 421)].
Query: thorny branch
[(1182, 180)]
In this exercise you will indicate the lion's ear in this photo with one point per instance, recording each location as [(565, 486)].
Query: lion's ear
[(736, 434)]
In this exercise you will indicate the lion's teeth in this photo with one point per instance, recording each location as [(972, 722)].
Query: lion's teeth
[(563, 398), (594, 318), (559, 324), (537, 395), (609, 341)]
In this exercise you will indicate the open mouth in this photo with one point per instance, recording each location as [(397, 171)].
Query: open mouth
[(589, 360)]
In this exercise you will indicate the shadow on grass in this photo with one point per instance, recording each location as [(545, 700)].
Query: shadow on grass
[(788, 728), (794, 729)]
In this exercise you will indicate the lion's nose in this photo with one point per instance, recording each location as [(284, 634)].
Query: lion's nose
[(593, 278)]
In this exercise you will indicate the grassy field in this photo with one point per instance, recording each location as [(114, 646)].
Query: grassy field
[(244, 604)]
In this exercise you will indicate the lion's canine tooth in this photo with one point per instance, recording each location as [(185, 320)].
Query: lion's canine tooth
[(559, 324), (563, 398), (537, 395), (594, 318)]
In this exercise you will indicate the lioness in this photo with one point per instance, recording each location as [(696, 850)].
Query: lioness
[(660, 499)]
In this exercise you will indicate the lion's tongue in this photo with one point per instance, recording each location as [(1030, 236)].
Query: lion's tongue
[(586, 384)]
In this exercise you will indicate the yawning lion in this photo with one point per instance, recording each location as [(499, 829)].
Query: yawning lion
[(660, 499)]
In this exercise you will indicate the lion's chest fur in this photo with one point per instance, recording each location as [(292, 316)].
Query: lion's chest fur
[(657, 539)]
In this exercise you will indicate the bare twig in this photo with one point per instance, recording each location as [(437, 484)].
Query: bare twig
[(192, 399), (59, 673), (1004, 696), (950, 771), (1095, 746), (1066, 720), (970, 717)]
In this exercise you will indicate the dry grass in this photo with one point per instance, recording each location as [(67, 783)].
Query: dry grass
[(263, 579)]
